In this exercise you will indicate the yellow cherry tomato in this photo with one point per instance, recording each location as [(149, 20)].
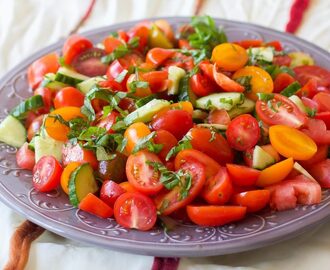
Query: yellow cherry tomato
[(55, 128), (291, 142), (261, 81), (158, 39), (133, 133), (229, 56), (275, 173), (65, 176)]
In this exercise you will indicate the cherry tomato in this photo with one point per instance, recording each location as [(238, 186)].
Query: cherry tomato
[(309, 89), (317, 130), (76, 153), (282, 60), (138, 91), (225, 82), (241, 175), (249, 43), (261, 81), (111, 85), (111, 43), (305, 73), (110, 192), (180, 60), (73, 46), (212, 215), (89, 62), (166, 139), (95, 206), (135, 211), (229, 56), (212, 144), (282, 81), (57, 130), (177, 122), (157, 80), (141, 175), (66, 174), (325, 117), (69, 96), (243, 132), (290, 142), (46, 64), (166, 29), (46, 174), (321, 172), (218, 189), (133, 133), (220, 117), (184, 44), (34, 127), (108, 121), (115, 69), (323, 100), (25, 157), (178, 197), (201, 85), (47, 96), (30, 116), (320, 155), (280, 110), (142, 32), (253, 200), (157, 56)]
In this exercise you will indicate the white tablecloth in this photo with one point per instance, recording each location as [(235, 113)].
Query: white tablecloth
[(28, 25)]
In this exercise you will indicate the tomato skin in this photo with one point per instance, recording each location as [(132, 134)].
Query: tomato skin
[(34, 127), (201, 85), (321, 172), (211, 215), (157, 80), (135, 211), (157, 56), (243, 132), (47, 96), (141, 175), (220, 117), (65, 176), (218, 189), (108, 121), (25, 157), (177, 122), (168, 202), (76, 153), (282, 81), (241, 175), (69, 96), (213, 145), (46, 64), (133, 133), (73, 46), (254, 200), (110, 192), (225, 82), (323, 100), (168, 141), (46, 174), (305, 73), (95, 206), (286, 112), (111, 43)]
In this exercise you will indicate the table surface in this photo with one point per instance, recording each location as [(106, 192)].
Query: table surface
[(29, 25)]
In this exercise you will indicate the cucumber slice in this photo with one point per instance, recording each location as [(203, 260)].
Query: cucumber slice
[(146, 112), (82, 182), (215, 126), (296, 100), (261, 53), (220, 101), (300, 59), (175, 74), (261, 159), (185, 93), (12, 132), (68, 76), (87, 85), (44, 145), (246, 107), (49, 82)]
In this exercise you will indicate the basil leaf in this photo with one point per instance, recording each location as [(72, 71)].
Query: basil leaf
[(147, 143), (291, 89), (92, 133), (183, 144), (265, 97), (31, 104), (246, 82)]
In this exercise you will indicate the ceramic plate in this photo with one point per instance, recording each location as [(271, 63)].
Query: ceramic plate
[(53, 211)]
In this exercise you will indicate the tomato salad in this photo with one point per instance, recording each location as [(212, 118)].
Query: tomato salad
[(151, 123)]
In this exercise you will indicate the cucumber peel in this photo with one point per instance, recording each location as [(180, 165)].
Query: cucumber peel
[(12, 132)]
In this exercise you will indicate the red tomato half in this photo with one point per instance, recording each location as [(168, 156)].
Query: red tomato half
[(201, 85), (111, 43), (115, 69), (282, 81), (73, 46), (142, 32), (249, 43), (243, 132), (47, 174), (282, 60), (254, 200), (135, 211), (305, 73), (242, 175), (69, 96), (47, 96), (280, 111), (168, 141), (25, 157), (141, 175), (211, 215), (226, 83), (321, 172), (110, 192)]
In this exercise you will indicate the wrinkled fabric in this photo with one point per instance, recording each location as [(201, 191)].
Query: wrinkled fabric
[(29, 25)]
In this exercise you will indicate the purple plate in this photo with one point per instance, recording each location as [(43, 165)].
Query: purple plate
[(53, 211)]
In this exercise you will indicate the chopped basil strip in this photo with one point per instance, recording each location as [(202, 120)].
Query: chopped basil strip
[(31, 104), (291, 89)]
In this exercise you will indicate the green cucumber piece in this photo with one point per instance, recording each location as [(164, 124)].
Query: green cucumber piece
[(261, 53), (220, 101), (87, 85), (185, 93), (44, 145), (49, 82), (246, 107), (261, 159), (31, 104), (146, 112), (12, 132), (81, 183), (68, 76), (175, 74), (143, 101), (296, 100)]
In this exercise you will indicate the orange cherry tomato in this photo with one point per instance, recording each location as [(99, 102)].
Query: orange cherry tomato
[(290, 142), (181, 105), (229, 56), (275, 173), (57, 130), (254, 200), (65, 177), (261, 81), (133, 133)]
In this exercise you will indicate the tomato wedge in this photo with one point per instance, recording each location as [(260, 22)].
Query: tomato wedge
[(25, 158), (225, 82), (95, 206), (211, 215), (254, 200), (242, 175)]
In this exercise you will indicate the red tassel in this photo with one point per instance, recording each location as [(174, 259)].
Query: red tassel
[(296, 15)]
